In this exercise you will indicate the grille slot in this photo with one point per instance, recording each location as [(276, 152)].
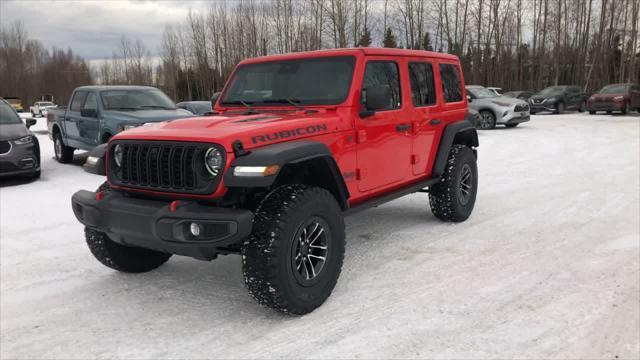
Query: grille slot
[(521, 108), (163, 166)]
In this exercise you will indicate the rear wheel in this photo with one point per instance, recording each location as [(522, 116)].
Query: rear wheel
[(293, 258), (63, 153), (487, 120), (583, 107), (452, 199)]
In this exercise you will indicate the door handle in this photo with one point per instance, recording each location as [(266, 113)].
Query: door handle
[(403, 127), (435, 121)]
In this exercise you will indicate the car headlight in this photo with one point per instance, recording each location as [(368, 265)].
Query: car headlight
[(24, 140), (618, 98), (117, 155), (213, 161)]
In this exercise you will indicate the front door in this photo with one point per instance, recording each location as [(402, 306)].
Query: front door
[(384, 139)]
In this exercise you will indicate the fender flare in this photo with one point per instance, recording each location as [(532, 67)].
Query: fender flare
[(283, 154), (459, 132)]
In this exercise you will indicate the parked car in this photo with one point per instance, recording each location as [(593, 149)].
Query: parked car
[(19, 148), (324, 134), (15, 102), (196, 107), (519, 94), (615, 97), (557, 99), (40, 108), (496, 110), (214, 99), (495, 90), (96, 113)]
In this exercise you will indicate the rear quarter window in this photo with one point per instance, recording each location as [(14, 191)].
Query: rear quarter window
[(451, 83)]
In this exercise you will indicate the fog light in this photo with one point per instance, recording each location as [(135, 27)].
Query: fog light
[(195, 229), (92, 160)]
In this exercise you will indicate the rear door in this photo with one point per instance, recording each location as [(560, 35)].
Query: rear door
[(72, 116), (426, 114), (384, 139)]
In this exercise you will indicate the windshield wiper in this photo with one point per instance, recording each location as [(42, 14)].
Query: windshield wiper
[(158, 107), (293, 102), (248, 105)]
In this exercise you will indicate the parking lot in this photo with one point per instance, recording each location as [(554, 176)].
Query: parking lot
[(548, 266)]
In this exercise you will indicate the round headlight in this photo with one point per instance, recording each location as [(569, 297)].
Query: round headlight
[(213, 161), (117, 155)]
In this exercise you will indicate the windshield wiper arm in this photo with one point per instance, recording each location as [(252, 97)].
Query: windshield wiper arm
[(250, 109), (124, 108), (158, 107), (286, 100)]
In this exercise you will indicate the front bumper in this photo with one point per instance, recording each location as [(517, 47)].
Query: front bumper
[(604, 106), (542, 107), (153, 225), (20, 160), (514, 118)]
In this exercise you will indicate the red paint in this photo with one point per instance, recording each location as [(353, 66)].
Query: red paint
[(173, 206), (382, 157), (99, 195)]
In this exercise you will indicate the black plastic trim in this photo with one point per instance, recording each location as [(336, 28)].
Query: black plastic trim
[(448, 136), (377, 201)]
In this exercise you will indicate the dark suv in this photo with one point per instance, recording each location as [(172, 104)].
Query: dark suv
[(557, 99)]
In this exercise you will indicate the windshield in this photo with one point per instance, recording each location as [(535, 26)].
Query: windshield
[(481, 93), (143, 99), (553, 90), (614, 89), (317, 81), (8, 115)]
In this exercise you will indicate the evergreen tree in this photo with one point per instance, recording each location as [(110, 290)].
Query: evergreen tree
[(389, 39), (426, 42), (365, 38)]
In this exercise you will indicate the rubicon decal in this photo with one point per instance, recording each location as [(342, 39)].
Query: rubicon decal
[(285, 134)]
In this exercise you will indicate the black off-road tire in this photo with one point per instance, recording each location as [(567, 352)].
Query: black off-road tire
[(446, 198), (120, 257), (63, 153), (268, 257)]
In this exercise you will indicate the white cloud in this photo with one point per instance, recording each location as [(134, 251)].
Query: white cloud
[(93, 28)]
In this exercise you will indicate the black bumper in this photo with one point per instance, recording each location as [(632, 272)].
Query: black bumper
[(151, 224)]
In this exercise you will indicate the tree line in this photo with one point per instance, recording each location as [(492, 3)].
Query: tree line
[(513, 44)]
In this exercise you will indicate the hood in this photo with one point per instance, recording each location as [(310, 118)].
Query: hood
[(13, 131), (253, 130), (508, 100), (151, 115), (542, 97)]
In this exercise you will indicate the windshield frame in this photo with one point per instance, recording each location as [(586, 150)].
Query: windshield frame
[(105, 108), (223, 102), (11, 110), (625, 86)]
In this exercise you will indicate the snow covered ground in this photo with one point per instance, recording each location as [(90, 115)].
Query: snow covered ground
[(548, 266)]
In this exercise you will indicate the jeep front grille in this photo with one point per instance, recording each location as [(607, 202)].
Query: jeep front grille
[(162, 166)]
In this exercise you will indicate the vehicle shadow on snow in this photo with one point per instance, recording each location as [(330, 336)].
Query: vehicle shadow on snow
[(206, 289), (15, 181)]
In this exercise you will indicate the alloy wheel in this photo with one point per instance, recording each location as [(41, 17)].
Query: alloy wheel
[(310, 251), (465, 185)]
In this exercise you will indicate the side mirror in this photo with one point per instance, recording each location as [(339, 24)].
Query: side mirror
[(89, 113), (469, 99), (30, 122), (375, 98)]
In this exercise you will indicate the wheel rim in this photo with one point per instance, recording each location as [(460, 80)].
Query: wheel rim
[(486, 120), (58, 147), (560, 107), (310, 251), (465, 184)]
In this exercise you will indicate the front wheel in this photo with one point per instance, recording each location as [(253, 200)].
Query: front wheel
[(293, 258), (452, 199), (559, 108), (511, 126), (487, 120), (591, 112), (583, 107), (625, 109)]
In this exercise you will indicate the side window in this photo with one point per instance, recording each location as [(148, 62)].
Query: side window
[(78, 100), (451, 84), (423, 89), (384, 73), (91, 102)]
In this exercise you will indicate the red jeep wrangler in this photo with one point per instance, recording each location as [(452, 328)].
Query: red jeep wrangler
[(298, 141)]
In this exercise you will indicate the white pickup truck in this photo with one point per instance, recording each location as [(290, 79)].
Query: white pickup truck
[(41, 107)]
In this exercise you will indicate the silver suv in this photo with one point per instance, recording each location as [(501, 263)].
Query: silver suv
[(496, 110)]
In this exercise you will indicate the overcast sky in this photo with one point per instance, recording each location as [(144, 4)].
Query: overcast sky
[(92, 28)]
